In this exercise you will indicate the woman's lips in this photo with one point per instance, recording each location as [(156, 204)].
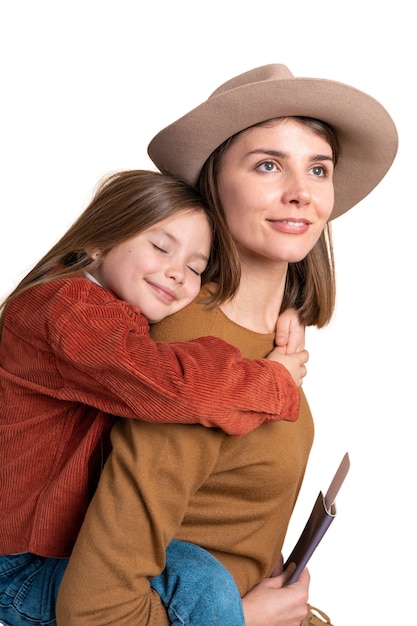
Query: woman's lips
[(290, 225)]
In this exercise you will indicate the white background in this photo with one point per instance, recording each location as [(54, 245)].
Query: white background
[(86, 84)]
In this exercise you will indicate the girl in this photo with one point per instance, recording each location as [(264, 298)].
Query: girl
[(75, 352)]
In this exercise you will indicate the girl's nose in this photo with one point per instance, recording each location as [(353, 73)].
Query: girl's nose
[(176, 273)]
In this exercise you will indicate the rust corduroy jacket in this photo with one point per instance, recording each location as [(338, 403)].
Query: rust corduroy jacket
[(72, 356)]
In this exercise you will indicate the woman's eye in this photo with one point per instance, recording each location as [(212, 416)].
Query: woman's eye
[(319, 170), (267, 166)]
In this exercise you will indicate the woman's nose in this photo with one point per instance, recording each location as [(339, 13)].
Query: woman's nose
[(296, 190)]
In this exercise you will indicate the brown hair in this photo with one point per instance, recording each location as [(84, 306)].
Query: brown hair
[(310, 285), (124, 204)]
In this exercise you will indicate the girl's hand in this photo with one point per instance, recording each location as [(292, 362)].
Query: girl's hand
[(289, 332), (294, 362)]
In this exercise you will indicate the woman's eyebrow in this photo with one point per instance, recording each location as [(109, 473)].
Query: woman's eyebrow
[(279, 154), (322, 157)]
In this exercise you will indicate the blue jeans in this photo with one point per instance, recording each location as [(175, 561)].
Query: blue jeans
[(29, 588), (195, 588)]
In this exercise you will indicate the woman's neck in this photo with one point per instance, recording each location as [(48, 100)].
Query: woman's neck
[(257, 303)]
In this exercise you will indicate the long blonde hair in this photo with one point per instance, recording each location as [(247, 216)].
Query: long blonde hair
[(126, 203), (310, 284)]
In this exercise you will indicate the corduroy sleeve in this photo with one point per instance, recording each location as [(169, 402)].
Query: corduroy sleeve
[(105, 358)]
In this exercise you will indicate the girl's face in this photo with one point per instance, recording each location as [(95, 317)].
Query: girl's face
[(159, 270), (276, 186)]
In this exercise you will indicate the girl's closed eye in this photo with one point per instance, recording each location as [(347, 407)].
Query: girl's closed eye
[(196, 270), (159, 248)]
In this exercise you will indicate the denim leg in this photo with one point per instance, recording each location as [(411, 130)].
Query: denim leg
[(29, 588), (197, 589)]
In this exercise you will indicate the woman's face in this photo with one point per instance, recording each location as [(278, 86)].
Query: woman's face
[(276, 187)]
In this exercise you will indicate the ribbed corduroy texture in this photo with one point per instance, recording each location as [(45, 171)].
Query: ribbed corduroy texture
[(71, 356)]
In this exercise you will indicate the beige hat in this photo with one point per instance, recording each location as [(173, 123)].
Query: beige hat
[(367, 134)]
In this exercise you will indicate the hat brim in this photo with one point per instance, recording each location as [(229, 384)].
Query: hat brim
[(367, 134)]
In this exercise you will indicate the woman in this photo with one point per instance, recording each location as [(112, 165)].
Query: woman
[(281, 157)]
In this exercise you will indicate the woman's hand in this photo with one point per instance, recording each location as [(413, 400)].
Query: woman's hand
[(289, 332), (272, 604)]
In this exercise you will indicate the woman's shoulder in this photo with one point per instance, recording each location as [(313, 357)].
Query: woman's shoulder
[(199, 319), (195, 320)]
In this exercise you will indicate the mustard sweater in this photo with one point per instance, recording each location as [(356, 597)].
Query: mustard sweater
[(231, 495)]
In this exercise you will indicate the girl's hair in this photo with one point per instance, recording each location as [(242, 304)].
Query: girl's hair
[(125, 204), (310, 285)]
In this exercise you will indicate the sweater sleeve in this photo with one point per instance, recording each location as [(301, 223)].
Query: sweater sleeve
[(106, 359), (137, 509)]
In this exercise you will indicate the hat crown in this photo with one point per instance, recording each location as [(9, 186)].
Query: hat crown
[(367, 134), (273, 71)]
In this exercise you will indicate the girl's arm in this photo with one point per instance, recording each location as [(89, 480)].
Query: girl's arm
[(112, 364)]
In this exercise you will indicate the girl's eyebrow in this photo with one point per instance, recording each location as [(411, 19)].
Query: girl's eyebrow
[(284, 155), (175, 240)]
